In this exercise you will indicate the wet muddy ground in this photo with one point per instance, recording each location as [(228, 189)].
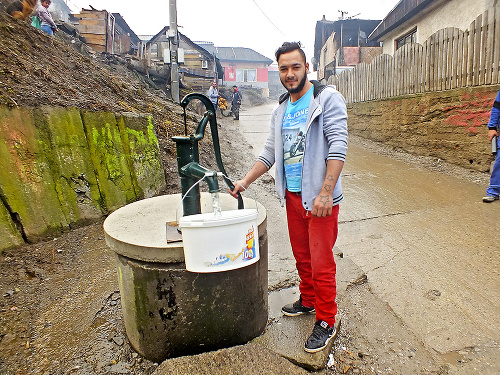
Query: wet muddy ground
[(60, 309)]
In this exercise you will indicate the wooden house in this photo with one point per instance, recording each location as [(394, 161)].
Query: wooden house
[(97, 28), (125, 40), (106, 32), (198, 68)]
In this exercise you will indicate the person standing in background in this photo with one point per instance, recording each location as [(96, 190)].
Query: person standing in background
[(236, 102), (213, 95), (493, 191)]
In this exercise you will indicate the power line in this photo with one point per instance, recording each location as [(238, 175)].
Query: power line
[(265, 15)]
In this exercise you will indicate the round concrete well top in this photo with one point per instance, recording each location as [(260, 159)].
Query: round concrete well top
[(139, 230)]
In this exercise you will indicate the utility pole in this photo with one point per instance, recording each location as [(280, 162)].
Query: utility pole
[(174, 44)]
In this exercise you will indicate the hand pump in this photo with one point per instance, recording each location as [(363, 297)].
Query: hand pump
[(188, 167)]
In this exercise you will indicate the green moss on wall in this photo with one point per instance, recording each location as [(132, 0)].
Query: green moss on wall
[(143, 153), (63, 168), (9, 233), (71, 163), (109, 160)]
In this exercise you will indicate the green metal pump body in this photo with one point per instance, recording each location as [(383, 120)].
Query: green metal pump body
[(188, 167)]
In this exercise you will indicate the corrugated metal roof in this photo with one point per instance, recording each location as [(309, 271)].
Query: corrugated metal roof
[(236, 54)]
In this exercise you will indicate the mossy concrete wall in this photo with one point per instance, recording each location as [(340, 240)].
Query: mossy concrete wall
[(62, 168), (449, 125)]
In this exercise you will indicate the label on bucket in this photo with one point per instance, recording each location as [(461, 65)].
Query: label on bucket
[(248, 252)]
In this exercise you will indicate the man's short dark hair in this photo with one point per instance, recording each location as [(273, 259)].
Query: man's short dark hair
[(289, 47)]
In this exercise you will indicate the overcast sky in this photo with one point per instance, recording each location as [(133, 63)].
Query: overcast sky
[(262, 25)]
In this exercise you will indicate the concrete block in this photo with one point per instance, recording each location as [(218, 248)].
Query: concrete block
[(168, 311), (286, 335), (141, 147), (26, 180), (109, 159), (250, 359), (71, 165)]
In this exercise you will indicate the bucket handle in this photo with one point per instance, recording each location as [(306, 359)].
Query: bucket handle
[(199, 181)]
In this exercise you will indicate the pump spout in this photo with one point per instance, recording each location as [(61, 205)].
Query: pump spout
[(195, 170)]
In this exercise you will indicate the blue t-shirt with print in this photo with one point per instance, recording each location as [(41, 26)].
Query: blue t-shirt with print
[(294, 135)]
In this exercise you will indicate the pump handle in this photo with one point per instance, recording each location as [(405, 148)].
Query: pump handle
[(200, 132)]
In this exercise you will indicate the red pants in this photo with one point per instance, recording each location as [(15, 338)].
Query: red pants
[(312, 240)]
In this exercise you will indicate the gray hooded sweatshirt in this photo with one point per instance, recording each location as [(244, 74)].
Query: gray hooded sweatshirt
[(326, 139)]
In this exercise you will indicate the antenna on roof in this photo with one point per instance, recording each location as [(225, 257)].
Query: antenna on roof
[(350, 18)]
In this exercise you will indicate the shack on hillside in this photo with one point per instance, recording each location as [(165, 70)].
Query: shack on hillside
[(106, 32), (96, 27)]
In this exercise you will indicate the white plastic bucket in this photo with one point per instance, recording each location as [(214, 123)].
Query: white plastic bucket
[(220, 243)]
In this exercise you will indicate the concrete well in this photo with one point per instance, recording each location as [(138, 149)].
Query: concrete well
[(168, 311)]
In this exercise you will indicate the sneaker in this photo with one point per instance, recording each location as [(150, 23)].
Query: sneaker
[(490, 198), (321, 335), (296, 308)]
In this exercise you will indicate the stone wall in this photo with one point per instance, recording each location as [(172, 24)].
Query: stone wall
[(449, 125), (62, 168)]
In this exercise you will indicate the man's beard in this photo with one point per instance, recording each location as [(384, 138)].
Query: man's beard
[(298, 88)]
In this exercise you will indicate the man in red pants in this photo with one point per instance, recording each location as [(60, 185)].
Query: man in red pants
[(308, 143)]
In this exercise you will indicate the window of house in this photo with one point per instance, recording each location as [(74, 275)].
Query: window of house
[(154, 50), (410, 37), (204, 64), (251, 75), (246, 75)]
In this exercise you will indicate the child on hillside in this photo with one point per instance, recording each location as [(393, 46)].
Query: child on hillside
[(46, 21)]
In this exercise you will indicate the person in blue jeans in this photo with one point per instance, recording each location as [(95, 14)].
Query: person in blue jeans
[(213, 95), (46, 22), (493, 190)]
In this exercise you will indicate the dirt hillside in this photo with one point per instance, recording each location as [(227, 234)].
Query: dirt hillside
[(38, 70)]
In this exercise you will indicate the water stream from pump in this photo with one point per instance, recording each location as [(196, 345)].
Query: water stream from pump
[(216, 204)]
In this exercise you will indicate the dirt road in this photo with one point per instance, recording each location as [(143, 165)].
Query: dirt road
[(418, 229)]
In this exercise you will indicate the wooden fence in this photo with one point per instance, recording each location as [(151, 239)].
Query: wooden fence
[(449, 59)]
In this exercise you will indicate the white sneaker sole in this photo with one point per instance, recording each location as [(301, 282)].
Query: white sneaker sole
[(299, 313), (489, 199), (333, 336), (315, 350)]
